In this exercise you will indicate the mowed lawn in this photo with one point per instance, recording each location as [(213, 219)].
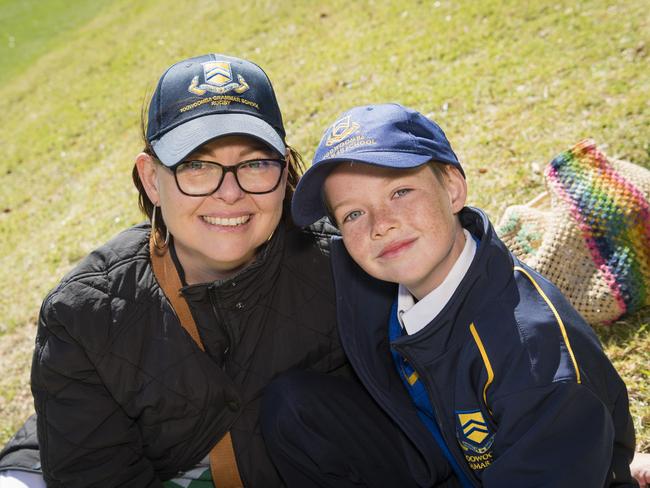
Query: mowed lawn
[(512, 83)]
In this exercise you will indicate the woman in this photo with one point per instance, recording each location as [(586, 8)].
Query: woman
[(124, 396)]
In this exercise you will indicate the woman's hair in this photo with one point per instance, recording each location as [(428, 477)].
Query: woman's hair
[(295, 169)]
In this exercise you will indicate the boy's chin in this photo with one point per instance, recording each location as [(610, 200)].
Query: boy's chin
[(392, 276)]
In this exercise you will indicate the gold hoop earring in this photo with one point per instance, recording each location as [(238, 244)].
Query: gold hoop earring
[(154, 231)]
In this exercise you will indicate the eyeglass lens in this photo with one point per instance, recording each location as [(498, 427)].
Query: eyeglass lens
[(205, 177)]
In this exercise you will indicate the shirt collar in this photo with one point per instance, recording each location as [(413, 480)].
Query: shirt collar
[(415, 316)]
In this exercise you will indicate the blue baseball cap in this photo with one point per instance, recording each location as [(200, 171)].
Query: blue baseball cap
[(387, 135), (205, 97)]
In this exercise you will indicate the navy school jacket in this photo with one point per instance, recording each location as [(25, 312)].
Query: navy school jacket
[(519, 383)]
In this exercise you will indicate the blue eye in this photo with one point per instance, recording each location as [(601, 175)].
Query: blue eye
[(354, 215), (401, 192)]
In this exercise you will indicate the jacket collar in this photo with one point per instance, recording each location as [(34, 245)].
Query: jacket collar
[(364, 303), (485, 280), (363, 310)]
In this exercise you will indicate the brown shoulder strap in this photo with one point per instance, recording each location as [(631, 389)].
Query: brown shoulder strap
[(223, 464)]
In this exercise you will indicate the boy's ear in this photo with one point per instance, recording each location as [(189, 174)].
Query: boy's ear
[(456, 188), (148, 172)]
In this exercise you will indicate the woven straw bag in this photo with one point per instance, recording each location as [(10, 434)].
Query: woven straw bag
[(589, 233)]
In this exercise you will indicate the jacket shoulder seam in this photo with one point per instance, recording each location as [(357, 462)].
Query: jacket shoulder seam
[(558, 319)]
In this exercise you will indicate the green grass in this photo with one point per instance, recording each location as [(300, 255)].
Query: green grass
[(31, 28), (512, 83)]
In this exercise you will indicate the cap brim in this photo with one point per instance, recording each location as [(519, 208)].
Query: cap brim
[(174, 145), (307, 205)]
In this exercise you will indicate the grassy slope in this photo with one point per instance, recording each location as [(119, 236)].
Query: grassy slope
[(512, 85), (30, 28)]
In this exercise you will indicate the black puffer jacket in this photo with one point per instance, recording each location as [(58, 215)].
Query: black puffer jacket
[(124, 396)]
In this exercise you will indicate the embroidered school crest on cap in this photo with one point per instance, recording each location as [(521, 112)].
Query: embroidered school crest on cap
[(235, 98), (345, 136), (387, 135), (341, 129), (218, 79)]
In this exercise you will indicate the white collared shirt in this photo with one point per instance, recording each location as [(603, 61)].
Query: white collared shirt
[(415, 316)]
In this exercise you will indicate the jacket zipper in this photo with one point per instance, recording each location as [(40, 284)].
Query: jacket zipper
[(451, 444), (212, 292)]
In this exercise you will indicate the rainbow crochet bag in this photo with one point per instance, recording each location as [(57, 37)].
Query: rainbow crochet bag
[(589, 233)]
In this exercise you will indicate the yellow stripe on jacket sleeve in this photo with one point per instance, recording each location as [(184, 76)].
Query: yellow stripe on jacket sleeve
[(557, 317), (486, 361)]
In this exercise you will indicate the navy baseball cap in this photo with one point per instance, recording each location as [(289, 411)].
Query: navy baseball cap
[(205, 97), (387, 135)]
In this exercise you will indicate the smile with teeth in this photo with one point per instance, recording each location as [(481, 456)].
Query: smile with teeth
[(227, 221)]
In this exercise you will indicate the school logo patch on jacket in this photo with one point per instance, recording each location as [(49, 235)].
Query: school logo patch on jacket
[(475, 438)]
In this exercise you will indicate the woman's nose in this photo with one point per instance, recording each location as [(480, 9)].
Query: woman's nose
[(229, 191)]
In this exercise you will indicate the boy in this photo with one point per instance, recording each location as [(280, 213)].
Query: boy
[(438, 318)]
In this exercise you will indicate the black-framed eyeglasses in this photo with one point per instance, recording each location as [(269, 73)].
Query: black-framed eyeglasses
[(198, 178)]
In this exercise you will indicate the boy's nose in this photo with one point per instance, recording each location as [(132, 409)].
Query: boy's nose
[(382, 223), (229, 191)]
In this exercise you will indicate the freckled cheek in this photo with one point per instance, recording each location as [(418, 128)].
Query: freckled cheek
[(428, 215), (355, 244), (411, 211), (348, 240)]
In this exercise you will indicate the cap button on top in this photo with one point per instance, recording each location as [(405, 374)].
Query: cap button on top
[(239, 305)]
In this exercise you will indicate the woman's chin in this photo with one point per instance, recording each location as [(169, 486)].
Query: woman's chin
[(213, 267)]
